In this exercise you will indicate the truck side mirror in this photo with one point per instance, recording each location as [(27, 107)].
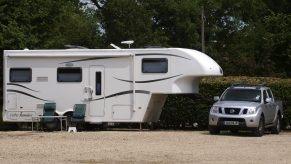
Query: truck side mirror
[(268, 100), (216, 98)]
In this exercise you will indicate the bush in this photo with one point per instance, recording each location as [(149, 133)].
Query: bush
[(180, 110)]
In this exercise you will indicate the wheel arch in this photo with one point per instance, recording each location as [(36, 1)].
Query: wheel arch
[(66, 112), (279, 114), (263, 116)]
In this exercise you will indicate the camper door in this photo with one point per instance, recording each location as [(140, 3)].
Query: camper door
[(96, 85)]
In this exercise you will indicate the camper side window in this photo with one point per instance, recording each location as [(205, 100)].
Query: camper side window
[(20, 75), (154, 65), (69, 75)]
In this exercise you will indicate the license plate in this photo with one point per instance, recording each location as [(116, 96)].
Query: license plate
[(231, 123)]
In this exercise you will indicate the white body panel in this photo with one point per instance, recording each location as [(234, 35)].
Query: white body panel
[(127, 94)]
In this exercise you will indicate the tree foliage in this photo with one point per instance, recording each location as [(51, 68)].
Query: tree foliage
[(245, 37), (250, 37), (45, 24), (128, 20)]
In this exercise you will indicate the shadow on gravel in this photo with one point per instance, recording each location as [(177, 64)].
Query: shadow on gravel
[(238, 134), (8, 127)]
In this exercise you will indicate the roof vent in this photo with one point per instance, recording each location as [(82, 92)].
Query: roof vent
[(128, 42)]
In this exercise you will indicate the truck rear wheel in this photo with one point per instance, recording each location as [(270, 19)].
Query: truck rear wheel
[(277, 127), (259, 131)]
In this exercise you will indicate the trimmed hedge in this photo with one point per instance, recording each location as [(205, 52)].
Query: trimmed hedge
[(179, 110)]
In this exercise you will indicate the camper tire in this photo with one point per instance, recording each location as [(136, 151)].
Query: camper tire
[(51, 126), (104, 126), (91, 127)]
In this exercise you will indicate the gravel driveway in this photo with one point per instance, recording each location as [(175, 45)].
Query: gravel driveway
[(143, 147)]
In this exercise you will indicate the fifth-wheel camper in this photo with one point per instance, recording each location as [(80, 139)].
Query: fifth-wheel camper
[(117, 85)]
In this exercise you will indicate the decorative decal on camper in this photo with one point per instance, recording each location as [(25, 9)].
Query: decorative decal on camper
[(21, 86), (149, 81), (16, 91), (122, 93), (99, 58), (94, 58), (25, 115), (161, 54)]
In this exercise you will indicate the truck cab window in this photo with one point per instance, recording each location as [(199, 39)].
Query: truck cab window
[(154, 65), (270, 94), (20, 75), (265, 96)]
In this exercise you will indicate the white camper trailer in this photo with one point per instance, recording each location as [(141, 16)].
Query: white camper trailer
[(117, 85)]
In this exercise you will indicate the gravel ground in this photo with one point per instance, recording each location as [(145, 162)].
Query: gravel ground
[(143, 147)]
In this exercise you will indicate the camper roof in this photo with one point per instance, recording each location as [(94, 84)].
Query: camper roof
[(80, 52)]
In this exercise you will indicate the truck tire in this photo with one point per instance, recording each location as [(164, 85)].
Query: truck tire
[(213, 130), (277, 127), (259, 131)]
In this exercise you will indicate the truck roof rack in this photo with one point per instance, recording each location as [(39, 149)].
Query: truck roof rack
[(150, 46), (248, 85)]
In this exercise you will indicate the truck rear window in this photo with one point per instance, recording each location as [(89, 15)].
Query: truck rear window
[(253, 95)]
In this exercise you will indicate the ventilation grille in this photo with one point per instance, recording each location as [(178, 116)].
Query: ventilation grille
[(42, 79)]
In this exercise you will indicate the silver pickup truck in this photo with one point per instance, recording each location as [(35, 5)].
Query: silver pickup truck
[(246, 107)]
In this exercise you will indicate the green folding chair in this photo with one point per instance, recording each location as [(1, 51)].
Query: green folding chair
[(78, 116), (49, 123), (49, 109)]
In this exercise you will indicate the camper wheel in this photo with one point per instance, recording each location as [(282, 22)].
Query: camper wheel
[(104, 126), (51, 126)]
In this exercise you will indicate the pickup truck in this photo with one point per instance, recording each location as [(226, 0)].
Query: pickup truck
[(246, 107)]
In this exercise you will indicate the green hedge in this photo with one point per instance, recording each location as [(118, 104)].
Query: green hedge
[(180, 110)]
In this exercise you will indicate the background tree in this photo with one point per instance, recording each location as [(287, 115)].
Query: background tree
[(245, 37), (45, 24), (128, 20), (179, 20), (240, 38)]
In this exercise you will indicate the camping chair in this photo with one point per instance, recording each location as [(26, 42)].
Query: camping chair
[(49, 110), (78, 116)]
